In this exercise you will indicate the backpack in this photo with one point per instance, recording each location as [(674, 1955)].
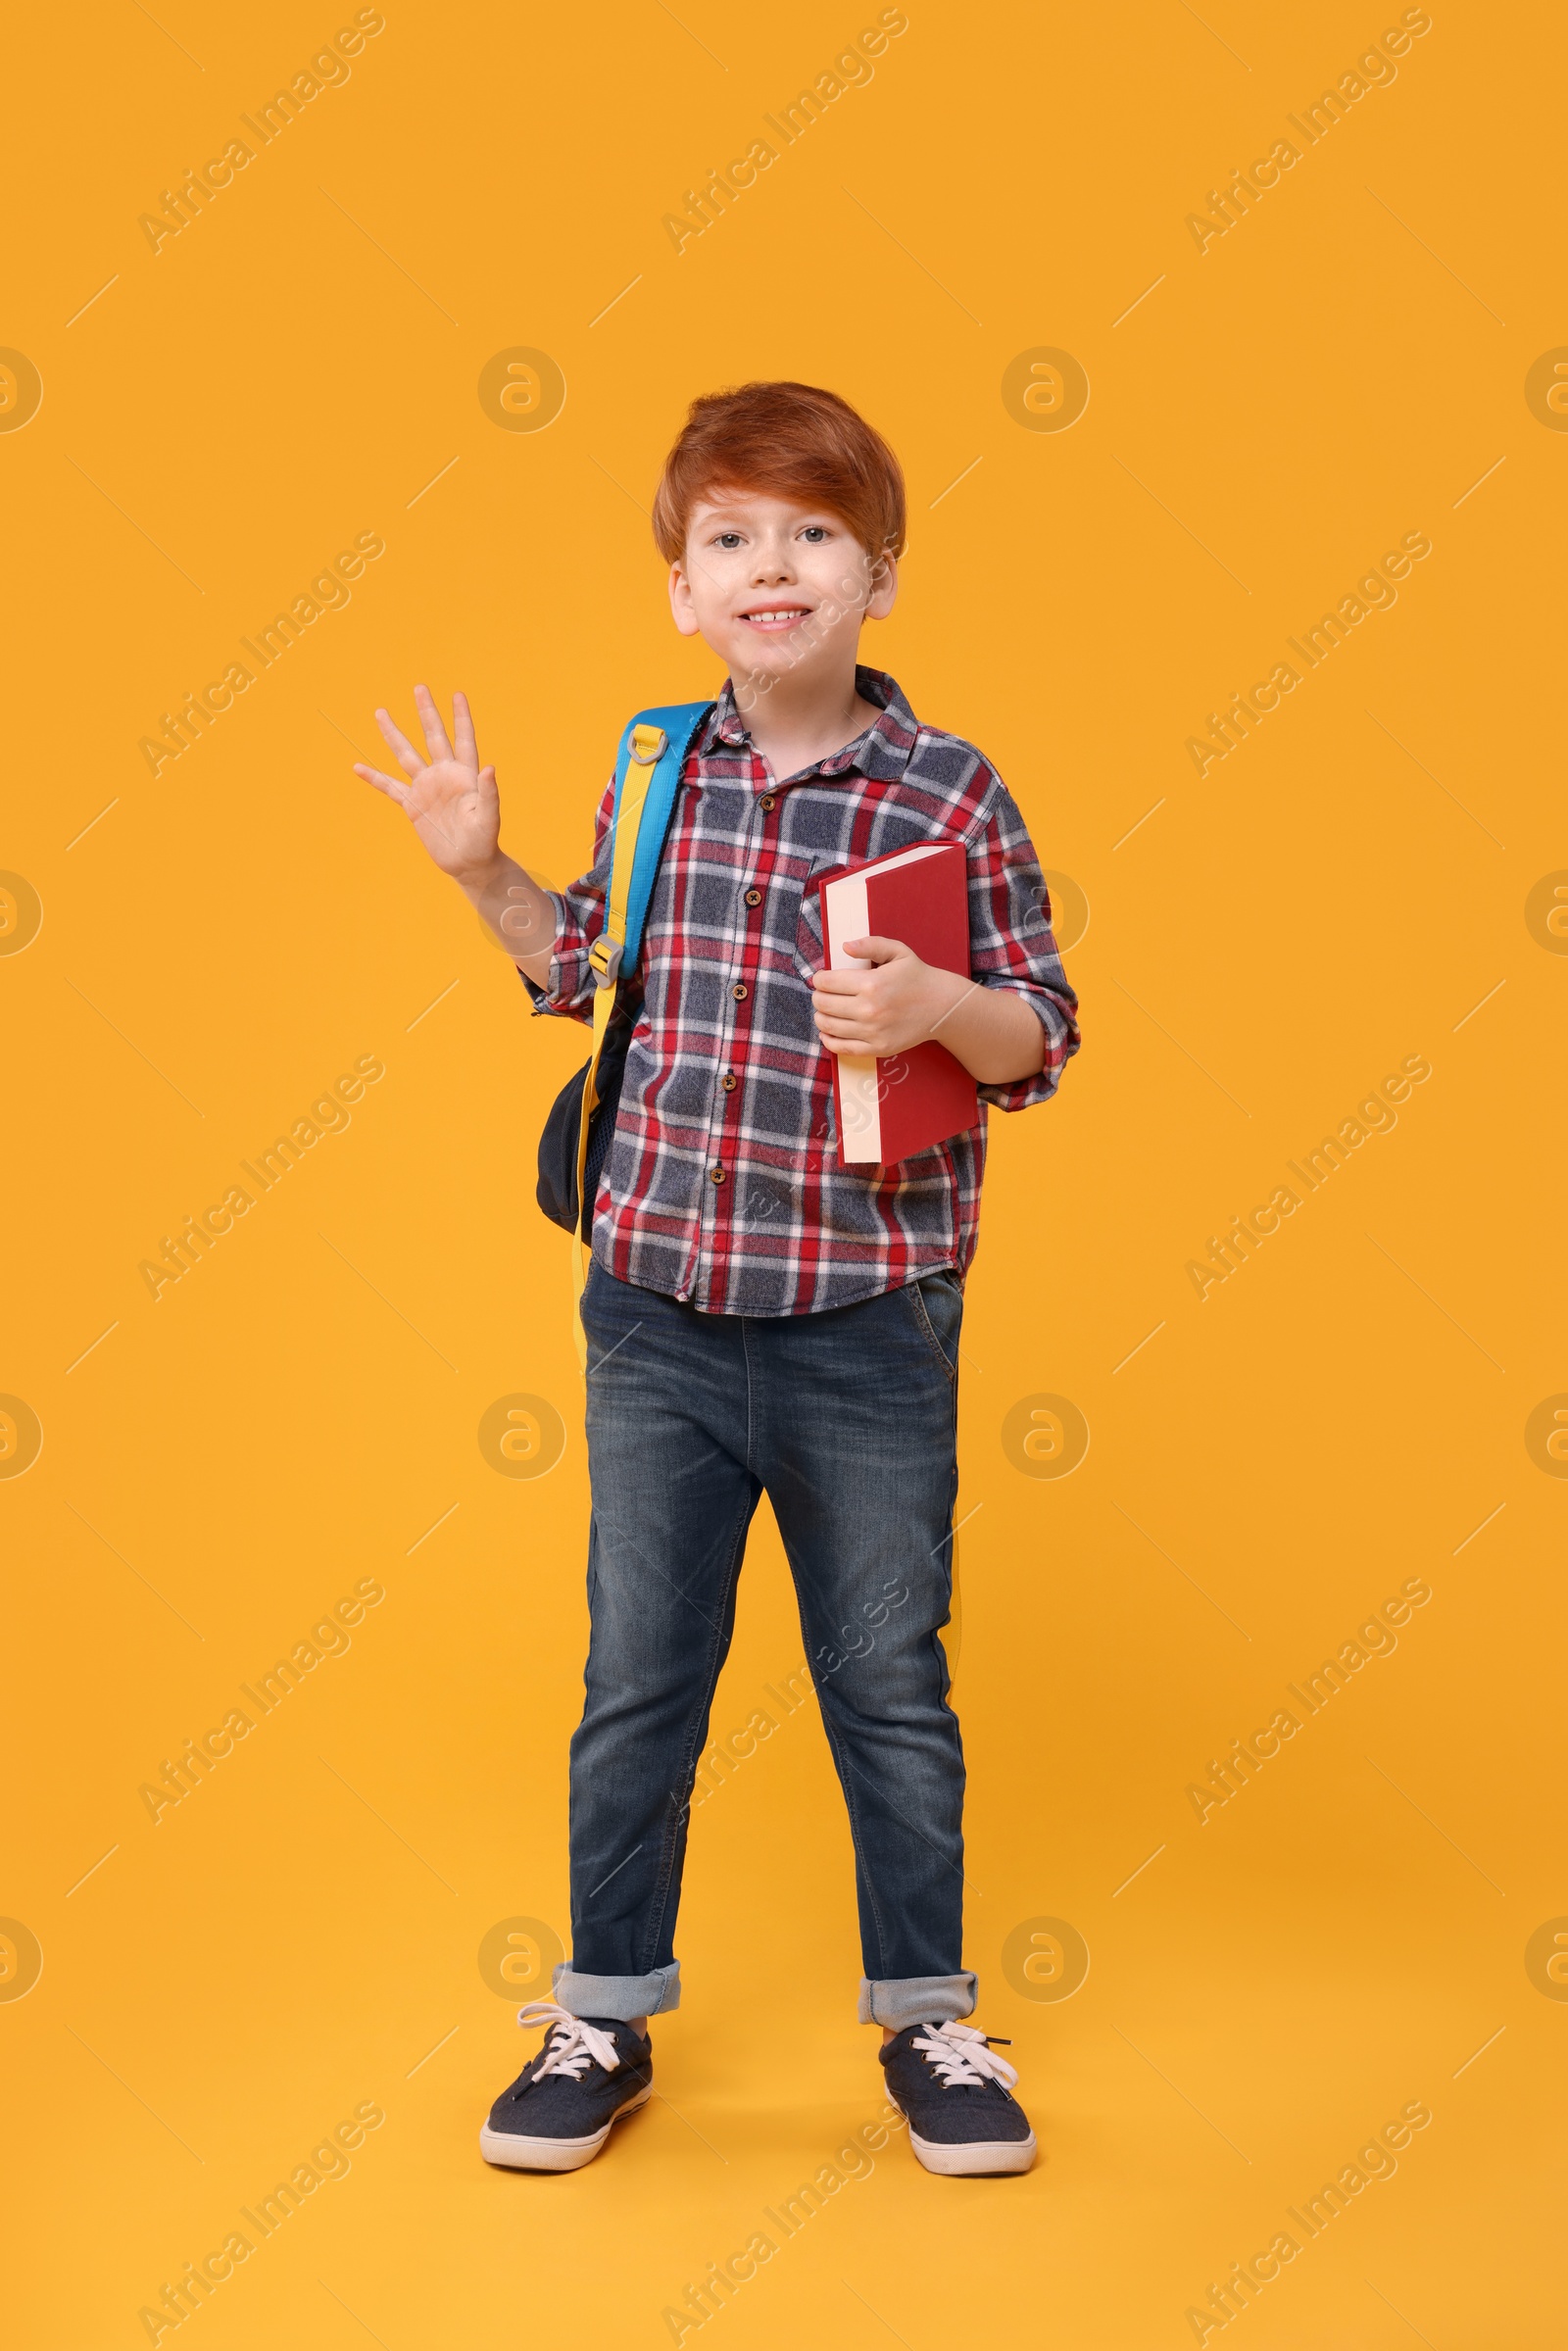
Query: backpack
[(578, 1133)]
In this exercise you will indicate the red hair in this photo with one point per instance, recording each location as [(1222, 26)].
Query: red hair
[(793, 441)]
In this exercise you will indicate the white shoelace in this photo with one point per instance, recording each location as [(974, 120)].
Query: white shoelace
[(573, 2046), (961, 2055)]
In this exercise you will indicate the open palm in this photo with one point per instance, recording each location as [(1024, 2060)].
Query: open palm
[(449, 799)]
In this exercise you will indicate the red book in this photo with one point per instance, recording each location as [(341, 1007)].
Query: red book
[(889, 1109)]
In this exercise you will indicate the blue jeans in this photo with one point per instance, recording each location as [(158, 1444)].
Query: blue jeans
[(846, 1420)]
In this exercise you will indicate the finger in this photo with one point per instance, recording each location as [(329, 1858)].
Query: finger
[(851, 1031), (838, 983), (397, 742), (385, 783), (877, 950), (430, 718), (463, 729)]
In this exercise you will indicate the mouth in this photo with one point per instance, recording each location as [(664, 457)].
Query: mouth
[(774, 619)]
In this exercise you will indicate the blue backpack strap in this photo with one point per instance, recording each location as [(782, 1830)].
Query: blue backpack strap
[(678, 722)]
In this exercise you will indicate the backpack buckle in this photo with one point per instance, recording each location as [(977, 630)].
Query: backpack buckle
[(605, 958), (648, 745)]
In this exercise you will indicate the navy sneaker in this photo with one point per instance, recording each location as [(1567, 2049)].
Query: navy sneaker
[(957, 2101), (559, 2112)]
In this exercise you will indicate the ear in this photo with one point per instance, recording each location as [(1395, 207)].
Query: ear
[(884, 588), (681, 601)]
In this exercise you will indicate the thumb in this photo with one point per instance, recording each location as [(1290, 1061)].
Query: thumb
[(877, 950)]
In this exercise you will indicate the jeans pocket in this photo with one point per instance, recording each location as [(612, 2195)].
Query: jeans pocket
[(936, 1301), (610, 1312)]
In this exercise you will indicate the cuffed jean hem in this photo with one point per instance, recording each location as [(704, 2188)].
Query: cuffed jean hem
[(918, 2001), (619, 1996)]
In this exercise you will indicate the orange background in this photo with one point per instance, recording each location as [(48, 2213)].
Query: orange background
[(1347, 888)]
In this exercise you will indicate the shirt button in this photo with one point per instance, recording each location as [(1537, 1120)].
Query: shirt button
[(740, 991), (754, 897), (767, 804), (729, 1081), (715, 1175)]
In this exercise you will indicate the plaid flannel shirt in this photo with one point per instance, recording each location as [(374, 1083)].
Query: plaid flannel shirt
[(723, 1184)]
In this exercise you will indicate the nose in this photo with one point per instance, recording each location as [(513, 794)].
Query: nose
[(772, 562)]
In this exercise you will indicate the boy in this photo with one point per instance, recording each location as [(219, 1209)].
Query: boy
[(760, 1316)]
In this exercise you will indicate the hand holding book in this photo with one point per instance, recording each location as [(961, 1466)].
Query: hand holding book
[(892, 1003), (908, 1026)]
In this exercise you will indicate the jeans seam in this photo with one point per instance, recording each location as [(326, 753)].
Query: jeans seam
[(845, 1778), (667, 1863), (847, 1783), (940, 1646)]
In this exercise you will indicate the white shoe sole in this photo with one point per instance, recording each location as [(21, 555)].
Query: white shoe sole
[(553, 2154), (975, 2156)]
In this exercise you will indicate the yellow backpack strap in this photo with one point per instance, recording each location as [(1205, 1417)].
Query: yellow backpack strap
[(647, 744)]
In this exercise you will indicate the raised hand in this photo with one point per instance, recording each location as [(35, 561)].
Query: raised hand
[(449, 799), (453, 805)]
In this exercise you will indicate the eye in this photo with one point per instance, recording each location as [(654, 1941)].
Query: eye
[(817, 533), (728, 539)]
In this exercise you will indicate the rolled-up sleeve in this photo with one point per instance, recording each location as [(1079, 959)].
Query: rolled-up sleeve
[(579, 920), (1011, 944)]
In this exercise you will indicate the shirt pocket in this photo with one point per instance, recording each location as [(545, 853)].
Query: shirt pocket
[(810, 954)]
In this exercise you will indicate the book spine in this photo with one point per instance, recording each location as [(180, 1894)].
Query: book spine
[(847, 915)]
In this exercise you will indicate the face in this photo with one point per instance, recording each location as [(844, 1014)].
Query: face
[(772, 587)]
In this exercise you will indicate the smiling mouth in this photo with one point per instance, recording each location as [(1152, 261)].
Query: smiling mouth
[(776, 617)]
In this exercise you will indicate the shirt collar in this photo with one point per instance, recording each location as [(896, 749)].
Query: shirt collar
[(881, 750)]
